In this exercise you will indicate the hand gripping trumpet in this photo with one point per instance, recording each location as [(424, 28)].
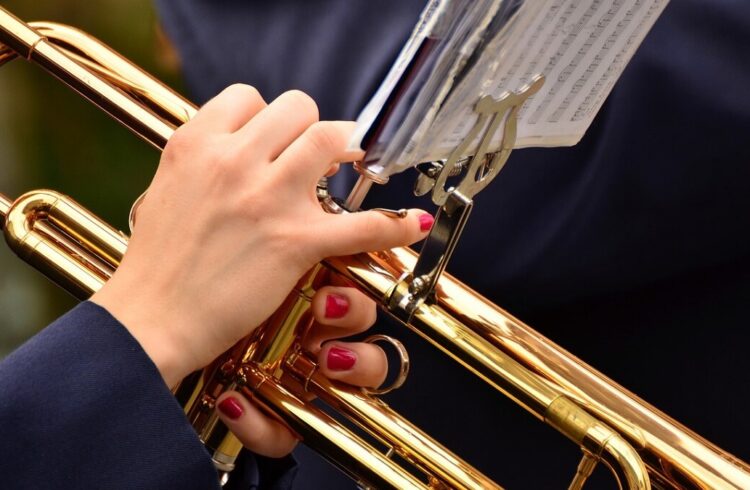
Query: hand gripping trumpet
[(639, 444)]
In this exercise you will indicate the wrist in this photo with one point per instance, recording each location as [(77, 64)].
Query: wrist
[(150, 328)]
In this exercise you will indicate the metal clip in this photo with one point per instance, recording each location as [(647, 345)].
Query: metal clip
[(456, 202), (494, 115)]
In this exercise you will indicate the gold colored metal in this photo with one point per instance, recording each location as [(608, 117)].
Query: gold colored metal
[(351, 454), (117, 87), (5, 205), (583, 472), (674, 456), (64, 241), (403, 368), (80, 252), (392, 430)]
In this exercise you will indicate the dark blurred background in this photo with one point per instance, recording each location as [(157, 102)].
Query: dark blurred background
[(53, 138)]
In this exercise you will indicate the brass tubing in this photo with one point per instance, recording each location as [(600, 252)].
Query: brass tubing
[(5, 204), (462, 344), (31, 45), (478, 355), (75, 220), (625, 464), (530, 391), (291, 319), (505, 374), (50, 257), (98, 267), (113, 67), (671, 452), (666, 446), (600, 441), (106, 242), (583, 472), (336, 443), (391, 429), (117, 69), (54, 262)]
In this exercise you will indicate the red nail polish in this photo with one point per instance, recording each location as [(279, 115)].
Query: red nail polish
[(231, 408), (341, 359), (426, 221), (336, 306)]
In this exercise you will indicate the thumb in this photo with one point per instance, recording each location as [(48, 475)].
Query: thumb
[(370, 231)]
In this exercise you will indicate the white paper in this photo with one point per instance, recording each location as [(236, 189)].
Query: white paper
[(580, 46)]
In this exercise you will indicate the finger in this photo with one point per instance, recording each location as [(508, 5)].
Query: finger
[(355, 363), (339, 312), (368, 231), (257, 432), (321, 145), (332, 170), (282, 122), (230, 110)]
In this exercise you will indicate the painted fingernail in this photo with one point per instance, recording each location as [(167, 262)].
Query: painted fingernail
[(336, 306), (426, 221), (341, 359), (231, 408)]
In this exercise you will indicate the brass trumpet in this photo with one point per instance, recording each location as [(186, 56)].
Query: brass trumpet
[(638, 443)]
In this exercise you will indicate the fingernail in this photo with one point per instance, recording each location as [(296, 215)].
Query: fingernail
[(336, 306), (341, 359), (231, 408), (426, 221)]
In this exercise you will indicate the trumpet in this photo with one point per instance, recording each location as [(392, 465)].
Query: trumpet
[(640, 445)]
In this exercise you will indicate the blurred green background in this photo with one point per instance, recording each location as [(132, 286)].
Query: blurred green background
[(52, 138)]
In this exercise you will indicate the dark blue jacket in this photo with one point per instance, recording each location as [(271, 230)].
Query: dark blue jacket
[(631, 249), (83, 406)]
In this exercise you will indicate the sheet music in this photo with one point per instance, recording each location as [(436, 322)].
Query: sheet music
[(580, 46)]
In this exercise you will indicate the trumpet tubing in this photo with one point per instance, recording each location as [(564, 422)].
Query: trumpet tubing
[(80, 252)]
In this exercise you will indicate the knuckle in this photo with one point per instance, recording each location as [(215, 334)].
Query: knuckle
[(303, 104), (181, 142), (244, 91), (324, 138)]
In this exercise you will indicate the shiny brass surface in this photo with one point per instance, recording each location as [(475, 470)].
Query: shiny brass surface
[(108, 80), (5, 204), (674, 456), (80, 252), (63, 240), (360, 460), (391, 429)]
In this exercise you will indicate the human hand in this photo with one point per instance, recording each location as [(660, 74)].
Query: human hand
[(338, 312), (230, 223)]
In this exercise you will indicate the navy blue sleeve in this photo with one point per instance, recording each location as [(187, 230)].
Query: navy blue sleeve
[(83, 406)]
